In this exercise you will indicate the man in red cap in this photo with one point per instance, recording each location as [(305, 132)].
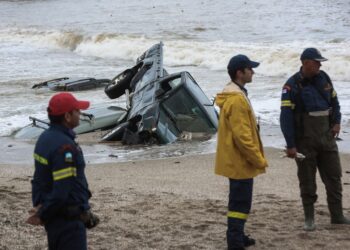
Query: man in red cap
[(60, 191)]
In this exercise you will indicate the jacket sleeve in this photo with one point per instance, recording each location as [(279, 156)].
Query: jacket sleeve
[(242, 132), (64, 175), (42, 175), (334, 103), (287, 116), (336, 117)]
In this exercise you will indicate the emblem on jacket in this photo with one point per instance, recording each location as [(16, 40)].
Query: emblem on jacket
[(68, 157), (285, 89)]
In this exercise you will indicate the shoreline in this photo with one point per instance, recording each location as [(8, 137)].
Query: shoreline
[(178, 203), (15, 151)]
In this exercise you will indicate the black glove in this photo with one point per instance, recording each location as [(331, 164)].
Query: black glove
[(89, 219)]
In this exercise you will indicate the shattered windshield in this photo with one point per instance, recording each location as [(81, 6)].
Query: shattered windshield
[(186, 113)]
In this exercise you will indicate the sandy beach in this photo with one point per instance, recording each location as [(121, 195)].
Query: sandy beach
[(178, 203)]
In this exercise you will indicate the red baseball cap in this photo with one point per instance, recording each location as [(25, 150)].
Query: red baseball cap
[(64, 102)]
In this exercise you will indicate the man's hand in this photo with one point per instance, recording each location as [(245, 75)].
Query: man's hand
[(33, 218), (336, 130), (291, 152)]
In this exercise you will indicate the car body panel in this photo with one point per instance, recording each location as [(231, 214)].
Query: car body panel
[(72, 84), (102, 117)]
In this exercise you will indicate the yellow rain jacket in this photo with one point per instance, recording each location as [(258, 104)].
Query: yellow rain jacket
[(239, 152)]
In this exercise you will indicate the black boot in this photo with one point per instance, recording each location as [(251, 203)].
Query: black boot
[(248, 241), (309, 213), (235, 234), (337, 216)]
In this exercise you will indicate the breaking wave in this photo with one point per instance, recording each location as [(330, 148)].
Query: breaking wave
[(280, 59)]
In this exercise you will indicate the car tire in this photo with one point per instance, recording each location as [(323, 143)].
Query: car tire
[(119, 84)]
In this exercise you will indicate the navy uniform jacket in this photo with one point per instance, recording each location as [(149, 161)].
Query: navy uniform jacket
[(59, 180), (304, 95)]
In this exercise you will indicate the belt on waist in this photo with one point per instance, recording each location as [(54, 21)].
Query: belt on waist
[(319, 113), (71, 212)]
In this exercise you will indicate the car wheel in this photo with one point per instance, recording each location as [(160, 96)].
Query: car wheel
[(119, 84)]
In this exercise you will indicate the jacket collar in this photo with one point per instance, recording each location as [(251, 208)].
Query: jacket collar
[(235, 87), (64, 129), (245, 91)]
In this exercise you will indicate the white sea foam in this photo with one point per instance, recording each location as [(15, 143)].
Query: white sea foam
[(280, 59)]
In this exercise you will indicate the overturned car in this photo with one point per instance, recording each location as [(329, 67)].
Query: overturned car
[(160, 107)]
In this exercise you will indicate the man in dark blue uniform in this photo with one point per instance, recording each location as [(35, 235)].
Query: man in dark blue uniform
[(310, 122), (60, 191)]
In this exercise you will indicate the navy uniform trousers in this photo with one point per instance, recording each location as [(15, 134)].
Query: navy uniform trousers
[(65, 234), (239, 205)]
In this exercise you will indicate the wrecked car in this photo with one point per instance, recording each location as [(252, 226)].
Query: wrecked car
[(160, 107)]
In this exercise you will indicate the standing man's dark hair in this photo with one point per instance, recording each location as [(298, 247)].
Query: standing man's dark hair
[(310, 122), (239, 155), (60, 191), (239, 63)]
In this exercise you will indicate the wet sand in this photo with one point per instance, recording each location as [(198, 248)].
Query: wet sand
[(178, 203)]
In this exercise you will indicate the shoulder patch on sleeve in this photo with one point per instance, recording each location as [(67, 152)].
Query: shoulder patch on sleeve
[(286, 88), (68, 151), (68, 157)]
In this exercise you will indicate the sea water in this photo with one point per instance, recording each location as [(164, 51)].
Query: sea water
[(46, 39)]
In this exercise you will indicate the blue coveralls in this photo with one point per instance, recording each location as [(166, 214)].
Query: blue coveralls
[(309, 109), (59, 185)]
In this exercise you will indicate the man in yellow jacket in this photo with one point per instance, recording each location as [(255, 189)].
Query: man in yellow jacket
[(239, 155)]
